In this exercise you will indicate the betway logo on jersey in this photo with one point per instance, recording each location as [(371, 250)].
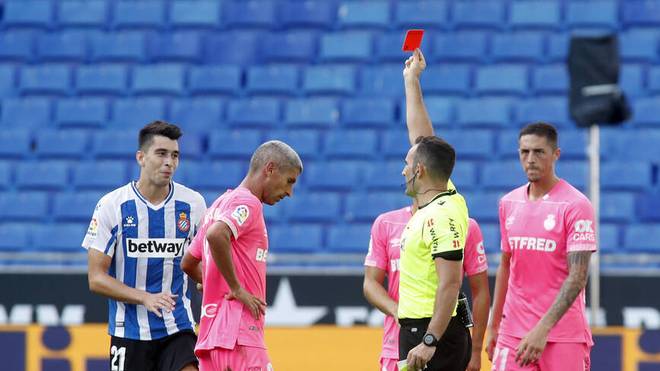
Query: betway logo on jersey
[(532, 243), (155, 247)]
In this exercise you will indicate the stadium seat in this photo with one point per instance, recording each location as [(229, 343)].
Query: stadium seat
[(25, 113), (333, 175), (7, 81), (202, 13), (81, 112), (254, 112), (45, 79), (396, 144), (5, 174), (608, 238), (388, 47), (305, 142), (617, 207), (216, 176), (475, 14), (133, 14), (296, 238), (640, 13), (573, 144), (233, 144), (214, 79), (347, 46), (134, 113), (75, 206), (647, 206), (14, 236), (216, 47), (483, 206), (115, 144), (626, 176), (191, 146), (277, 79), (489, 112), (35, 14), (382, 81), (459, 46), (158, 79), (502, 79), (421, 14), (367, 206), (354, 144), (646, 112), (385, 176), (537, 14), (61, 144), (464, 175), (574, 172), (639, 45), (99, 175), (471, 143), (558, 45), (128, 46), (46, 175), (88, 13), (177, 46), (250, 14), (349, 238), (550, 79), (601, 14), (552, 110), (447, 79), (15, 143), (653, 81), (491, 235), (337, 80), (636, 146), (59, 236), (631, 80), (368, 112), (326, 207), (16, 45), (519, 46), (440, 109), (502, 175), (199, 115), (22, 206), (642, 238), (101, 79), (316, 112), (363, 14), (294, 46), (308, 14)]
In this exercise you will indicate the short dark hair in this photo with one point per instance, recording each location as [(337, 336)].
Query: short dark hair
[(541, 129), (437, 155), (152, 129)]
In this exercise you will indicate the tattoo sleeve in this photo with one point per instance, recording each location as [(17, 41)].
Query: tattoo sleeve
[(578, 269)]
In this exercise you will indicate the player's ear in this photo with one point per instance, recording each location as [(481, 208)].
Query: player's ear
[(139, 157), (269, 168), (557, 153)]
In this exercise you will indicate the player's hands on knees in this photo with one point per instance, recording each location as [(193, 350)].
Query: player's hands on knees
[(256, 305), (414, 65), (475, 361), (531, 346), (419, 356), (160, 301)]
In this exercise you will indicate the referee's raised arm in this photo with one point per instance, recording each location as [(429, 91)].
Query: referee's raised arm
[(417, 118)]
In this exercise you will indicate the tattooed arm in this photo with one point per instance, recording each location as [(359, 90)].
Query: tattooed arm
[(532, 345)]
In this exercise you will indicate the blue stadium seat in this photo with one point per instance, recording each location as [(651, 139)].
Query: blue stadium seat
[(646, 112), (550, 79), (216, 47), (14, 236), (471, 143), (45, 79), (250, 14), (574, 172), (89, 13), (199, 115), (305, 142), (396, 144), (23, 206), (368, 112), (447, 78), (308, 14), (519, 46), (536, 14), (472, 14), (385, 176), (483, 206), (459, 46), (491, 234), (16, 45), (349, 238), (617, 207), (502, 79), (7, 81), (653, 81), (326, 207), (382, 81), (176, 46), (367, 206), (333, 175), (337, 80), (42, 175), (364, 14), (158, 79), (356, 144), (631, 80), (294, 46), (101, 79), (348, 46), (274, 79), (626, 175), (99, 175), (507, 143), (503, 175), (15, 143), (552, 110), (127, 46), (464, 175), (254, 112), (573, 144), (421, 14), (191, 146), (134, 113), (490, 112), (388, 47), (639, 45), (318, 112), (296, 238), (115, 144), (234, 143), (642, 237), (5, 174), (59, 236), (214, 79), (129, 14), (20, 13), (608, 238), (81, 112), (25, 113), (202, 13), (592, 14), (634, 146), (440, 109), (61, 143), (75, 206), (216, 176), (647, 206), (558, 47), (640, 13)]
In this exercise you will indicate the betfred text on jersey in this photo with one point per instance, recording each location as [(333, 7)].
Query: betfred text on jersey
[(155, 247), (532, 243)]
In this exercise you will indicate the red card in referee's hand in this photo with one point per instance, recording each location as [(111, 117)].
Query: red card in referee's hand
[(413, 40)]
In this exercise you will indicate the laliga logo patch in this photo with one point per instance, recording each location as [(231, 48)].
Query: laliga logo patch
[(93, 228), (549, 222), (183, 224), (241, 214)]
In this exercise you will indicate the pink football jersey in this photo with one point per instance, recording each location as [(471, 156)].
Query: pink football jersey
[(539, 235)]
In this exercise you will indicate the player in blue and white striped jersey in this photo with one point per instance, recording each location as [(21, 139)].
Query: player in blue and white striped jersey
[(135, 242)]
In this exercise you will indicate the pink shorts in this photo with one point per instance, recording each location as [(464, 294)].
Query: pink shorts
[(241, 358), (555, 356), (388, 364)]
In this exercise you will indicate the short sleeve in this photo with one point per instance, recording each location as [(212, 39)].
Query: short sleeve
[(475, 256), (504, 244), (196, 247), (444, 237), (103, 229), (580, 227), (377, 254), (239, 214)]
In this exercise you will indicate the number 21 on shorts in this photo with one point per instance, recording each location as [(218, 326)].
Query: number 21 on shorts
[(118, 358)]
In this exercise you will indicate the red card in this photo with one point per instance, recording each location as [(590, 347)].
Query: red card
[(413, 40)]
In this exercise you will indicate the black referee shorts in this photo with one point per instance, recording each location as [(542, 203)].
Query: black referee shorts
[(170, 353), (454, 348)]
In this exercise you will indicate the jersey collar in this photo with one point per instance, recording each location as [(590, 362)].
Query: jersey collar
[(146, 202), (449, 192)]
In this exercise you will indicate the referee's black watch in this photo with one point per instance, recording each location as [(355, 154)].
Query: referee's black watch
[(430, 340)]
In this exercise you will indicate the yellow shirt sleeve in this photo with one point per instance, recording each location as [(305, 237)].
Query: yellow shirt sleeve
[(441, 234)]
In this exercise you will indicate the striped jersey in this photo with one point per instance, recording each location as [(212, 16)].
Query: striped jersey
[(146, 243)]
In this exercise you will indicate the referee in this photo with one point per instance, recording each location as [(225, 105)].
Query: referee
[(432, 336)]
